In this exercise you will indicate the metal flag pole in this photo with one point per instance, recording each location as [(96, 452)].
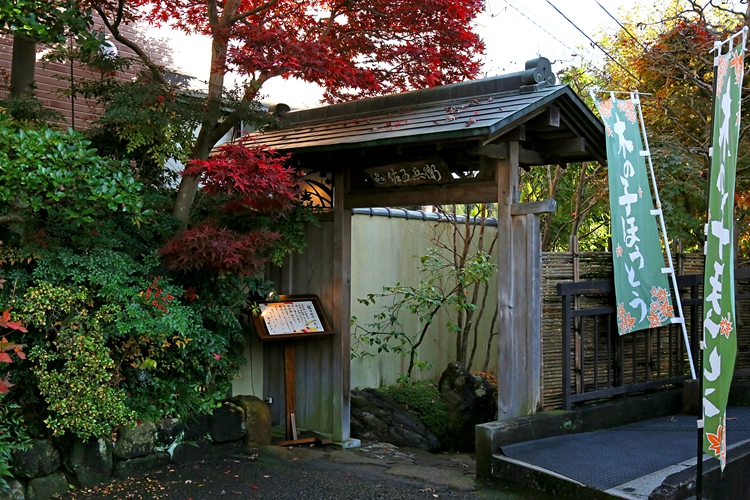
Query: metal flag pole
[(658, 212), (635, 98)]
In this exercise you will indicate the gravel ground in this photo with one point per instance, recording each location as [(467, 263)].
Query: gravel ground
[(330, 474)]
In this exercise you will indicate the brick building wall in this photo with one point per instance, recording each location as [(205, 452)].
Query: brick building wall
[(52, 77)]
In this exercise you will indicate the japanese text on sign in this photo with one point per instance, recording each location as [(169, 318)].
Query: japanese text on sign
[(290, 317)]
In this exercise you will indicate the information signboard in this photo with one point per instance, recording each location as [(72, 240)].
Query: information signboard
[(292, 316)]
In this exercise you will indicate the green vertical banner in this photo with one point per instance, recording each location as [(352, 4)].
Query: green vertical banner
[(641, 289), (719, 332)]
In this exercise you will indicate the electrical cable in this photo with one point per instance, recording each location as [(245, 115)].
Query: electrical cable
[(539, 26), (620, 24), (595, 44)]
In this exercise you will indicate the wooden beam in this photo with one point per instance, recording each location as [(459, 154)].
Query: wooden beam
[(563, 146), (500, 152), (514, 135), (501, 132), (528, 157), (535, 207), (464, 192), (550, 118), (494, 151)]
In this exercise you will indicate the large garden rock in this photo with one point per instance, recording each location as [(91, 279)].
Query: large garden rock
[(40, 459), (470, 400), (153, 461), (195, 427), (191, 451), (134, 442), (14, 491), (90, 462), (168, 431), (257, 420), (376, 417), (227, 423), (44, 488)]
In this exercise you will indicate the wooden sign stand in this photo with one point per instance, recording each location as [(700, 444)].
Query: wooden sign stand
[(288, 320)]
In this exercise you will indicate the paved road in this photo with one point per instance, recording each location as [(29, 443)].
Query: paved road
[(328, 473)]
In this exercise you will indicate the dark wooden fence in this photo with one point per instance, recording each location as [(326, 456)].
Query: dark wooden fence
[(597, 362)]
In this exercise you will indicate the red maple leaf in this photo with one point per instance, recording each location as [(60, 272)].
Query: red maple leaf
[(654, 320), (7, 323), (627, 322), (667, 310), (723, 66), (718, 441), (715, 440), (5, 384), (620, 310), (725, 326), (739, 67), (629, 108), (660, 293)]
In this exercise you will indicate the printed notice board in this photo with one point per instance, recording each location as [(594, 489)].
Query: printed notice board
[(291, 316)]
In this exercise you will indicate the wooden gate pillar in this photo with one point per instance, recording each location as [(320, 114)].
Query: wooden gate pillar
[(519, 293), (342, 262)]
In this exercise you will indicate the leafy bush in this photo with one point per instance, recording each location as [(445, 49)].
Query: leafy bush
[(422, 399), (75, 376), (12, 437), (53, 171)]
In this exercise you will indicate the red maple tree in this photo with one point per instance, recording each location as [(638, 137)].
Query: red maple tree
[(352, 48), (248, 182)]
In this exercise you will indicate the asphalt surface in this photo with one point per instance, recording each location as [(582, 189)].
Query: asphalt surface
[(375, 471), (631, 459)]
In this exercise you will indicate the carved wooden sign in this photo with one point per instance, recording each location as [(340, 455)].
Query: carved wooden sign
[(410, 173)]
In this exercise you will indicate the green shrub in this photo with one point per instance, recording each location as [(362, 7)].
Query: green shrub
[(75, 376), (422, 399), (12, 437), (51, 171)]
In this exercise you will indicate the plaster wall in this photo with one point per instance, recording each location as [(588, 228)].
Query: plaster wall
[(386, 251)]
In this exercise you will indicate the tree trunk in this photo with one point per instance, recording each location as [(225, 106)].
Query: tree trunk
[(23, 66)]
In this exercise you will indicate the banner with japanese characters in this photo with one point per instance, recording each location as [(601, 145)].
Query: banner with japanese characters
[(719, 320), (641, 289)]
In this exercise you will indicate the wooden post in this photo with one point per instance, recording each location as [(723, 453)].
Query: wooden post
[(519, 297), (533, 274), (342, 244), (508, 342), (290, 391)]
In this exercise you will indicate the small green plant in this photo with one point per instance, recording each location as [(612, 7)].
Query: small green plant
[(422, 399)]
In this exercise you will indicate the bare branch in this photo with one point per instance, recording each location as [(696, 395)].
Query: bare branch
[(252, 12), (113, 27)]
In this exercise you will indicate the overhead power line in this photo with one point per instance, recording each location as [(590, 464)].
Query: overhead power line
[(539, 26), (620, 24), (593, 42)]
